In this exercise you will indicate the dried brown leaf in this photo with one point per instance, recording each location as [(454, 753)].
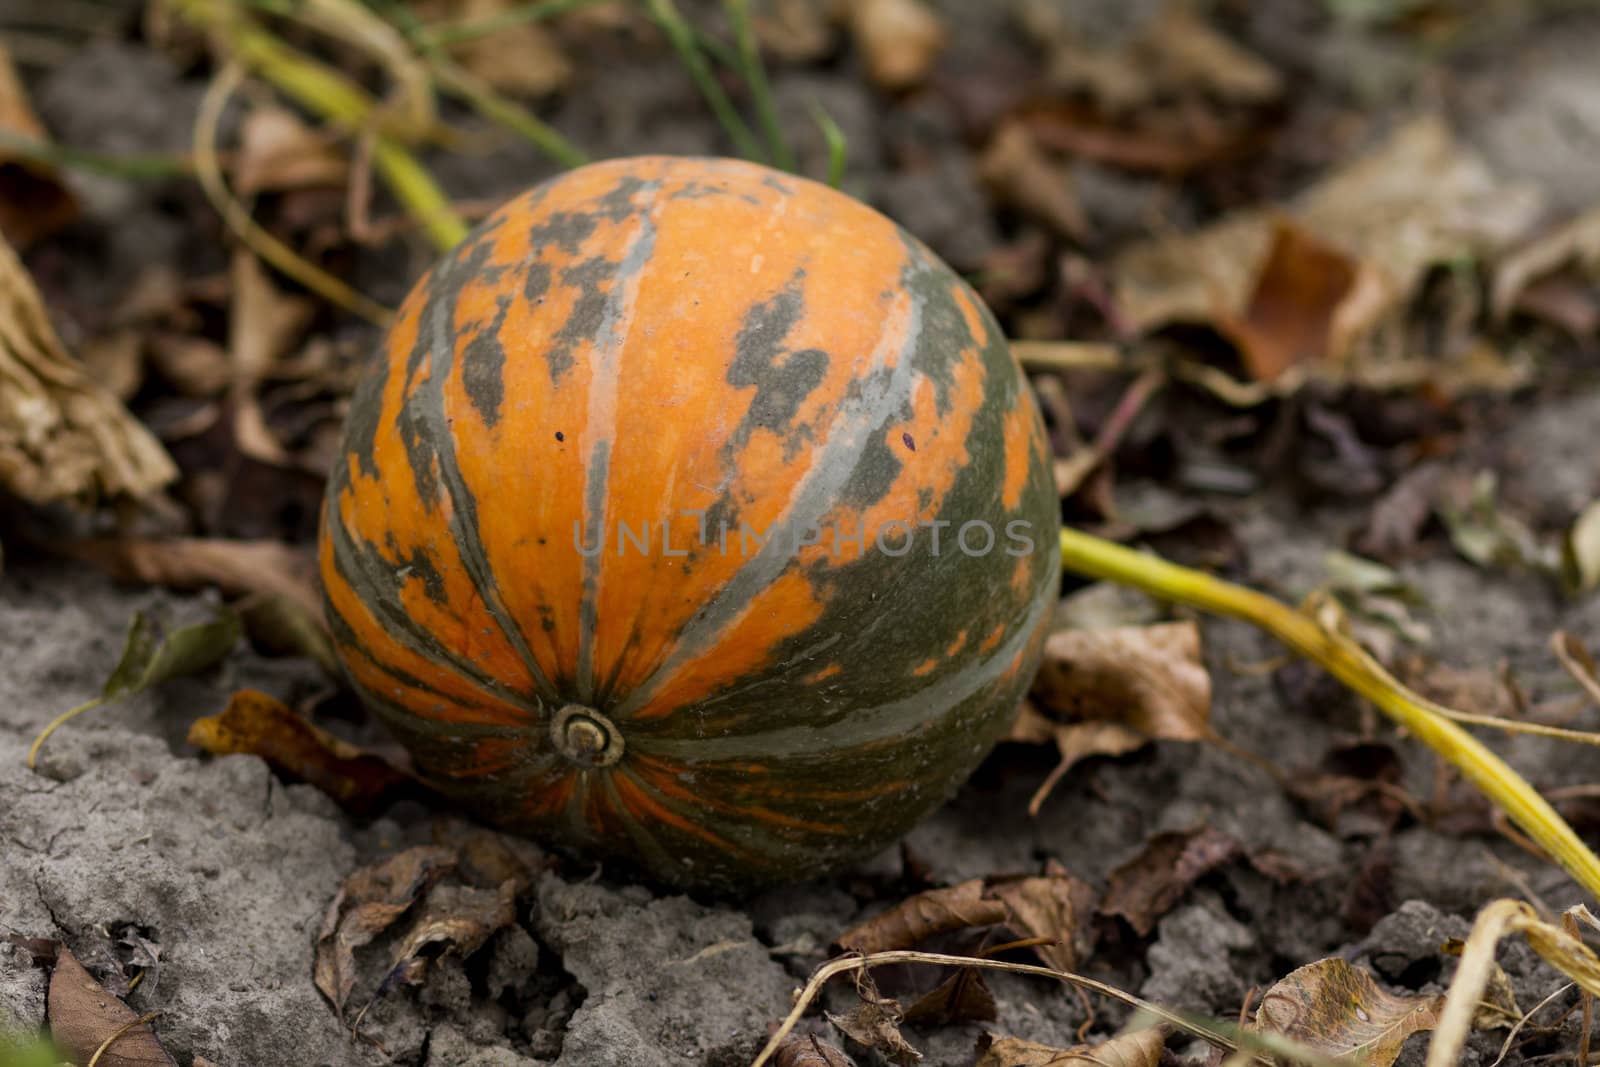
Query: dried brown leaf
[(1184, 52), (195, 366), (1058, 906), (235, 567), (523, 59), (795, 31), (1148, 886), (368, 903), (1418, 199), (1581, 551), (1335, 1008), (1578, 661), (63, 436), (277, 151), (263, 325), (83, 1015), (1147, 678), (33, 199), (1021, 175), (808, 1050), (876, 1025), (1141, 1048), (1289, 317), (900, 39), (962, 997), (461, 918), (259, 725), (917, 918), (1575, 243)]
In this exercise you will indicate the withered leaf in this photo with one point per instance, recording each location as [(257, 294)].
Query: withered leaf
[(1578, 661), (33, 199), (919, 917), (1291, 314), (1575, 243), (368, 903), (63, 436), (962, 997), (260, 725), (1147, 678), (900, 40), (278, 151), (1057, 906), (809, 1050), (1581, 552), (1018, 173), (82, 1015), (1335, 1008), (1148, 886), (460, 918), (1141, 1048), (876, 1025), (235, 567), (523, 58)]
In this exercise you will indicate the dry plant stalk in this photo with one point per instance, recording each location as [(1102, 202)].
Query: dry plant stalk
[(62, 435)]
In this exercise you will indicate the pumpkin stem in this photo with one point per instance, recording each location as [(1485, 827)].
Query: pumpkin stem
[(1347, 661), (586, 737)]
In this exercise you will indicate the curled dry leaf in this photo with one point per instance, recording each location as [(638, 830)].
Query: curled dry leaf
[(1292, 314), (83, 1015), (1335, 1008), (277, 151), (1147, 678), (1578, 661), (1141, 1048), (796, 31), (271, 568), (1581, 552), (876, 1024), (458, 919), (962, 997), (1418, 199), (1055, 906), (523, 59), (1574, 244), (33, 199), (1148, 886), (1020, 174), (808, 1050), (900, 39), (256, 724), (263, 325), (370, 901), (63, 436)]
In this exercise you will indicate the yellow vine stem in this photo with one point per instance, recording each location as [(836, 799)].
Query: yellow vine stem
[(1346, 661), (329, 94)]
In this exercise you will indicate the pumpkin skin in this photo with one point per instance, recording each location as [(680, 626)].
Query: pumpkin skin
[(694, 346)]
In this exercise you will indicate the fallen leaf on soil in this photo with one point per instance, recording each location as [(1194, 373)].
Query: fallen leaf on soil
[(278, 151), (282, 625), (1419, 199), (455, 918), (808, 1050), (920, 917), (1579, 662), (368, 903), (522, 59), (1367, 773), (260, 725), (1151, 884), (149, 658), (876, 1024), (1057, 906), (1581, 553), (1301, 290), (1021, 175), (1335, 1008), (33, 199), (900, 40), (263, 325), (1487, 534), (962, 997), (1395, 523), (795, 31), (271, 568), (1148, 678), (83, 1015), (62, 435), (1141, 1048), (1576, 243)]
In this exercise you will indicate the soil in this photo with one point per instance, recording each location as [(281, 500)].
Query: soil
[(227, 871)]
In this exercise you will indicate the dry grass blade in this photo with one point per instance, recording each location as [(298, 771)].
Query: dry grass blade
[(821, 976), (1560, 949), (1578, 661), (209, 171), (62, 435)]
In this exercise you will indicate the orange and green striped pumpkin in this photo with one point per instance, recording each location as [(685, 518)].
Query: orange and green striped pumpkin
[(543, 542)]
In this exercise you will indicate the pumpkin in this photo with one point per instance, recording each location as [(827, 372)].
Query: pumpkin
[(695, 517)]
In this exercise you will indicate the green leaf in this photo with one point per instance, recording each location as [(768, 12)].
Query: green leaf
[(148, 660)]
